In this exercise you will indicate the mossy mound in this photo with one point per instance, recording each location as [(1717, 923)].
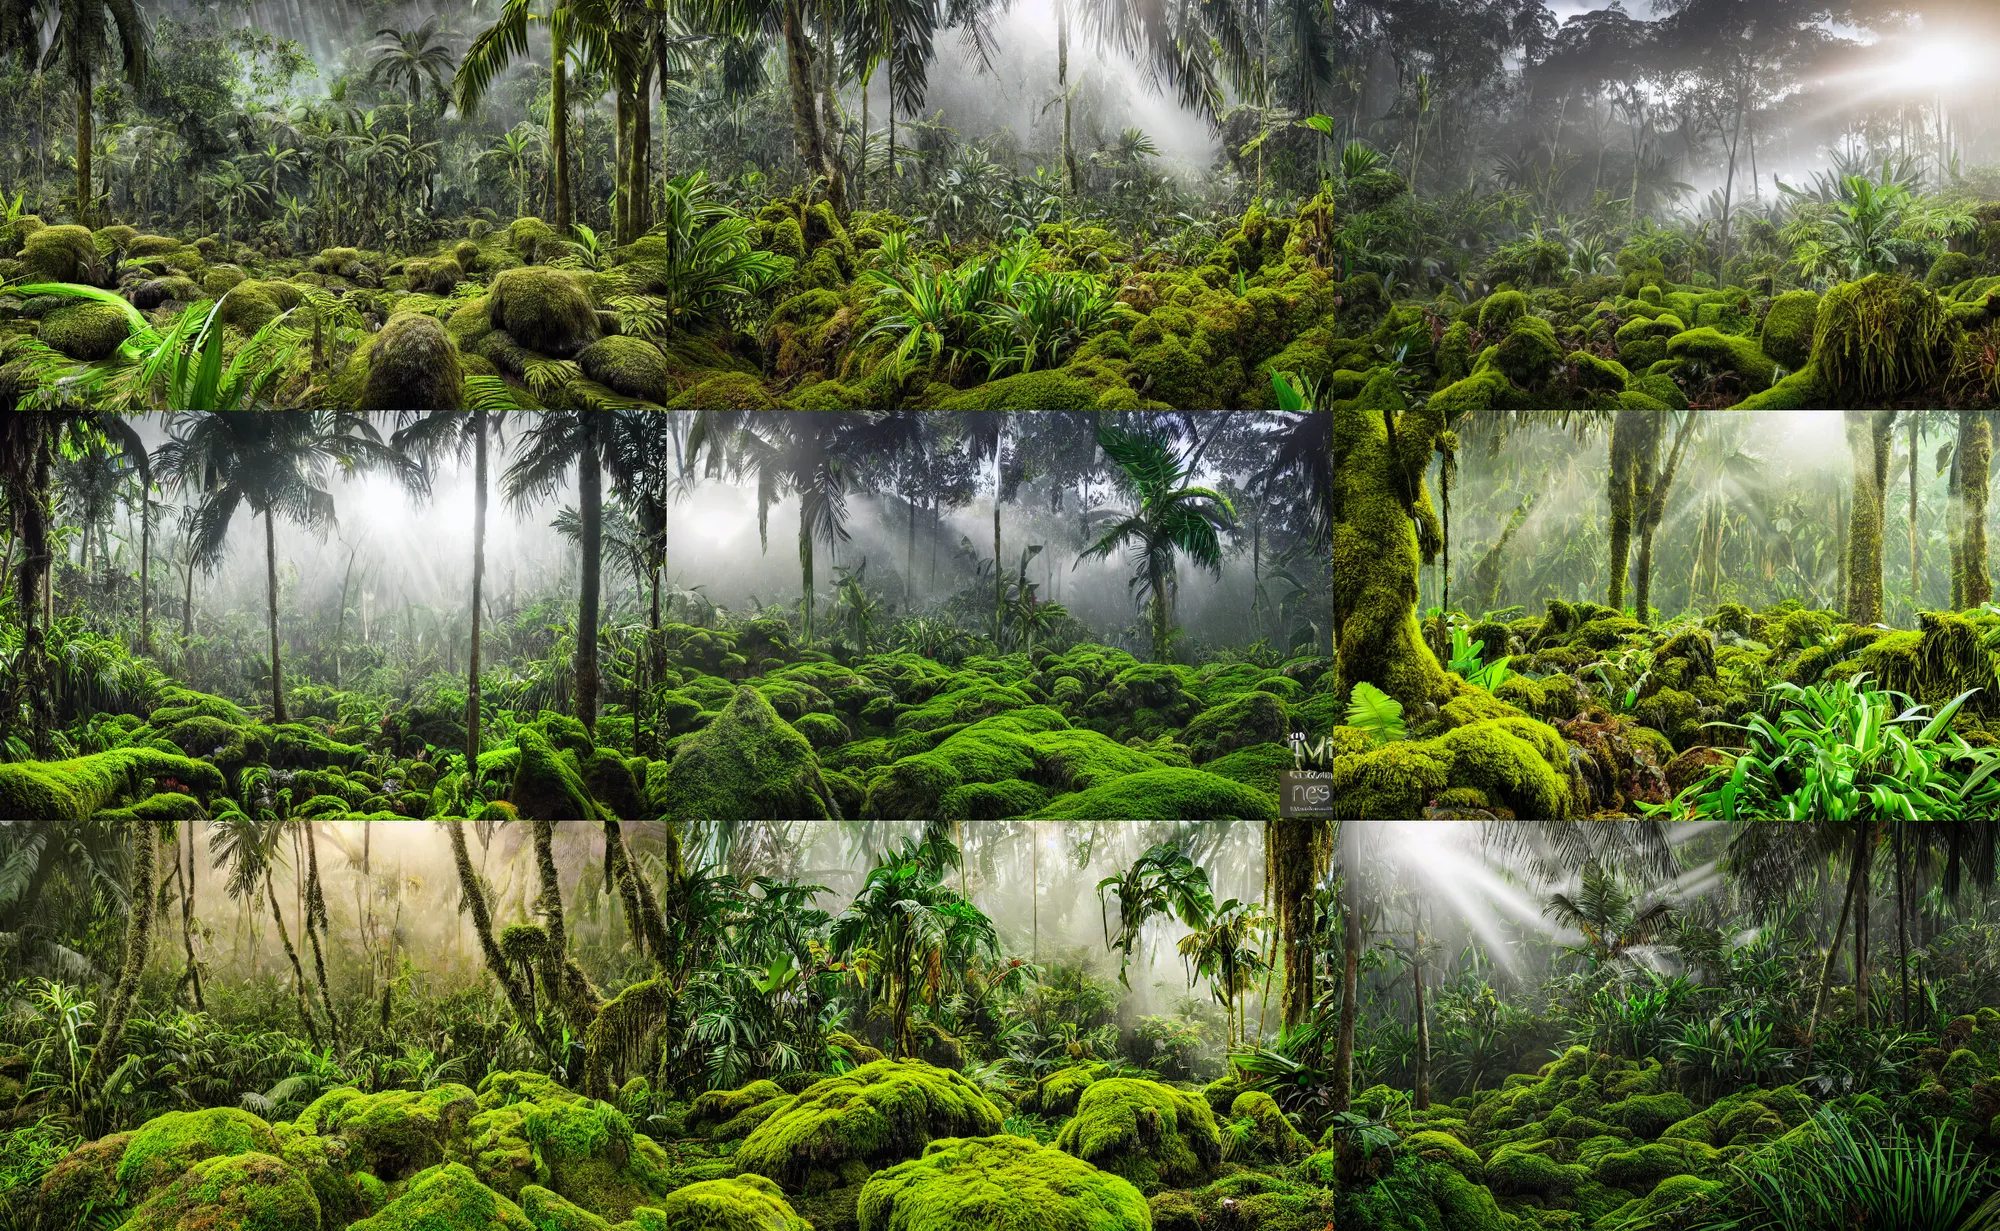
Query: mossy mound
[(61, 254), (1149, 1133), (1254, 1199), (1262, 1132), (448, 1197), (730, 1115), (740, 1203), (841, 1130), (746, 764), (167, 1145), (544, 310), (1056, 1094), (243, 1192), (86, 330), (547, 783), (999, 1183), (531, 1131), (631, 366), (394, 1134), (412, 365)]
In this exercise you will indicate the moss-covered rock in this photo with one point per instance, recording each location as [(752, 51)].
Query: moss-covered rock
[(746, 764), (1266, 1135), (243, 1192), (547, 783), (448, 1197), (412, 365), (840, 1130), (739, 1203), (730, 1115), (396, 1133), (85, 330), (61, 254), (1149, 1133), (631, 366), (167, 1145), (999, 1183), (544, 310)]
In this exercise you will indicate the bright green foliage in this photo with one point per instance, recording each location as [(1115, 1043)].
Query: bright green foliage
[(167, 1145), (394, 1134), (244, 1192), (1265, 1133), (840, 1130), (1518, 1170), (1679, 1195), (1002, 1184), (447, 1197), (77, 789), (1149, 1133), (551, 1212), (746, 764), (1055, 1094), (1164, 794), (729, 1115), (741, 1203)]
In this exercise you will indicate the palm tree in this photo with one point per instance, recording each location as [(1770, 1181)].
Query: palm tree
[(430, 433), (557, 441), (81, 43), (409, 58), (813, 457), (1608, 916), (1225, 953), (915, 926), (505, 41), (511, 150), (278, 465), (1172, 517), (649, 471), (248, 848), (1161, 883)]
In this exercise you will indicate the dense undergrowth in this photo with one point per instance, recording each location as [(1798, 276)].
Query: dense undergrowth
[(744, 724), (1583, 712), (795, 306)]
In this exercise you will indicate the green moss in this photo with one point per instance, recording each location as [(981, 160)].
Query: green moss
[(1528, 352), (1518, 1170), (244, 1192), (1252, 718), (1639, 1169), (85, 330), (61, 254), (1051, 389), (999, 1184), (447, 1197), (631, 366), (544, 310), (167, 1145), (840, 1130), (410, 365), (1165, 794), (1725, 352), (1433, 1146), (1648, 1115), (1879, 338), (741, 1203), (726, 391), (1055, 1094), (394, 1134), (1788, 328), (547, 785), (746, 764), (1271, 1138), (85, 1182), (1149, 1133), (1030, 744), (729, 1115), (550, 1211), (1681, 1196)]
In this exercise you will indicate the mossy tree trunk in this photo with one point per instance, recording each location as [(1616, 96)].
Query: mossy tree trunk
[(291, 955), (1832, 953), (1354, 941), (472, 899), (478, 583), (1296, 853), (1864, 854), (145, 572), (811, 138), (1868, 443), (590, 507), (806, 569), (315, 923), (1975, 465), (1422, 1094), (1384, 530), (192, 975), (84, 139), (1916, 589), (271, 598), (1658, 485), (141, 897), (28, 461)]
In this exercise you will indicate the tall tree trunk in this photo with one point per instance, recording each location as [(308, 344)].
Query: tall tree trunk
[(1342, 1077), (84, 141), (810, 137), (271, 595), (999, 575), (478, 585), (1422, 1097), (1864, 851), (1903, 924), (559, 126), (292, 955), (145, 574), (1070, 175), (315, 923), (142, 896), (472, 899), (187, 920), (1295, 853), (1826, 964), (640, 217), (590, 484), (1975, 463), (1868, 442), (1916, 586), (31, 505), (1626, 432)]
